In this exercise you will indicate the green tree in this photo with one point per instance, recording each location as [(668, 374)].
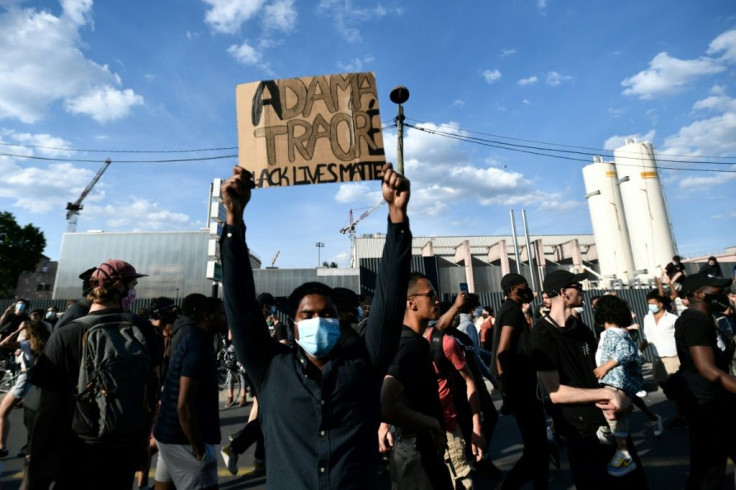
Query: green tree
[(20, 250)]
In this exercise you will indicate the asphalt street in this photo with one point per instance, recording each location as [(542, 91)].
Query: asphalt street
[(665, 458)]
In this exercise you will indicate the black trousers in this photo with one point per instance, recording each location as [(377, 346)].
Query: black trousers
[(415, 465), (534, 462), (245, 438), (712, 441)]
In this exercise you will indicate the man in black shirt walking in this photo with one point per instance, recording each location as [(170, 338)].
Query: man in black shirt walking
[(563, 352), (705, 372), (319, 410), (410, 399), (515, 372)]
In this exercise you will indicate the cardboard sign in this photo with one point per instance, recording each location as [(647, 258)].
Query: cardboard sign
[(310, 130)]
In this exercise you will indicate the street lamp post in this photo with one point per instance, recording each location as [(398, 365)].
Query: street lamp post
[(319, 246), (399, 95)]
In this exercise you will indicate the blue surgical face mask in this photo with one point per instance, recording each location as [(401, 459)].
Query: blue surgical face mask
[(273, 310), (20, 307), (360, 313), (318, 336), (478, 311), (654, 308)]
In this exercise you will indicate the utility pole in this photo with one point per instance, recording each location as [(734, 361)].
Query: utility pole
[(319, 246), (399, 95)]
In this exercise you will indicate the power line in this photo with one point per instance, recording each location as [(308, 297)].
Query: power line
[(531, 150), (78, 160), (118, 151)]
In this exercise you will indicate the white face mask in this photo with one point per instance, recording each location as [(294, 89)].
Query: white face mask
[(578, 309), (654, 308)]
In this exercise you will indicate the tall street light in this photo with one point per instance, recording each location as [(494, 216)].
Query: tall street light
[(399, 95), (319, 246)]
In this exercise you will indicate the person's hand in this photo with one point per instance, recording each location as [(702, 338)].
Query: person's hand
[(460, 299), (396, 191), (600, 371), (236, 192), (385, 438), (616, 403), (477, 443)]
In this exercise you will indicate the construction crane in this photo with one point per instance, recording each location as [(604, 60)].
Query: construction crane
[(73, 208), (275, 256), (350, 228)]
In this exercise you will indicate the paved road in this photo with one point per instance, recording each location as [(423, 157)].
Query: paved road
[(665, 458)]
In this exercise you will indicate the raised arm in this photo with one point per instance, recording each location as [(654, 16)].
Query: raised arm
[(387, 311), (254, 346)]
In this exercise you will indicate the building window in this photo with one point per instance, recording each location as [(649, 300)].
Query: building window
[(39, 287)]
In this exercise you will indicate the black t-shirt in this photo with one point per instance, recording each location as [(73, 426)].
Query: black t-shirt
[(519, 375), (412, 366), (570, 351), (694, 328), (671, 269), (12, 322), (280, 332), (194, 358)]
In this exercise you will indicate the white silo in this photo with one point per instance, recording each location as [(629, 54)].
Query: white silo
[(608, 219), (652, 242)]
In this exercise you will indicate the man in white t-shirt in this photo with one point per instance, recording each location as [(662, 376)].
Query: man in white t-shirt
[(659, 330)]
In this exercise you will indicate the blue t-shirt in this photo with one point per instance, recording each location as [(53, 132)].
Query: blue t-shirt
[(194, 358)]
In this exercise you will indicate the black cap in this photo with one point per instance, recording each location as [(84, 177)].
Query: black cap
[(559, 279), (266, 299), (693, 282), (510, 280)]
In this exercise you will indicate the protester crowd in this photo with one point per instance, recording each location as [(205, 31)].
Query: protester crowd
[(353, 386)]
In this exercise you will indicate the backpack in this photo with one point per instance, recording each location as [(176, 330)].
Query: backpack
[(117, 387), (458, 388)]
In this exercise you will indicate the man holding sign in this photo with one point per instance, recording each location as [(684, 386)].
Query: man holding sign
[(319, 401)]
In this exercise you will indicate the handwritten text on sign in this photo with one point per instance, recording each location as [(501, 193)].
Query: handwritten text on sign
[(310, 130)]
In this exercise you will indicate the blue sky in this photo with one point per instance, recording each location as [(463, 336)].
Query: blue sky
[(161, 75)]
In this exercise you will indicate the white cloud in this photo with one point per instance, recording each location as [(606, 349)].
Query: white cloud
[(554, 78), (245, 53), (105, 103), (618, 141), (227, 16), (42, 143), (706, 183), (708, 136), (348, 16), (507, 52), (528, 81), (443, 175), (280, 15), (37, 48), (459, 103), (356, 64), (541, 4), (667, 75), (726, 44), (139, 215), (617, 111), (352, 192), (491, 76), (526, 102)]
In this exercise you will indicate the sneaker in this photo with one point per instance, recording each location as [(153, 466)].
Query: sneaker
[(657, 426), (230, 459), (604, 435), (259, 467), (641, 394), (621, 464)]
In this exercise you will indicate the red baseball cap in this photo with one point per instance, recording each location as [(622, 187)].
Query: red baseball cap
[(115, 269)]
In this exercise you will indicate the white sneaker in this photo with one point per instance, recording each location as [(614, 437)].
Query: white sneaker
[(641, 394), (230, 459), (657, 426)]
